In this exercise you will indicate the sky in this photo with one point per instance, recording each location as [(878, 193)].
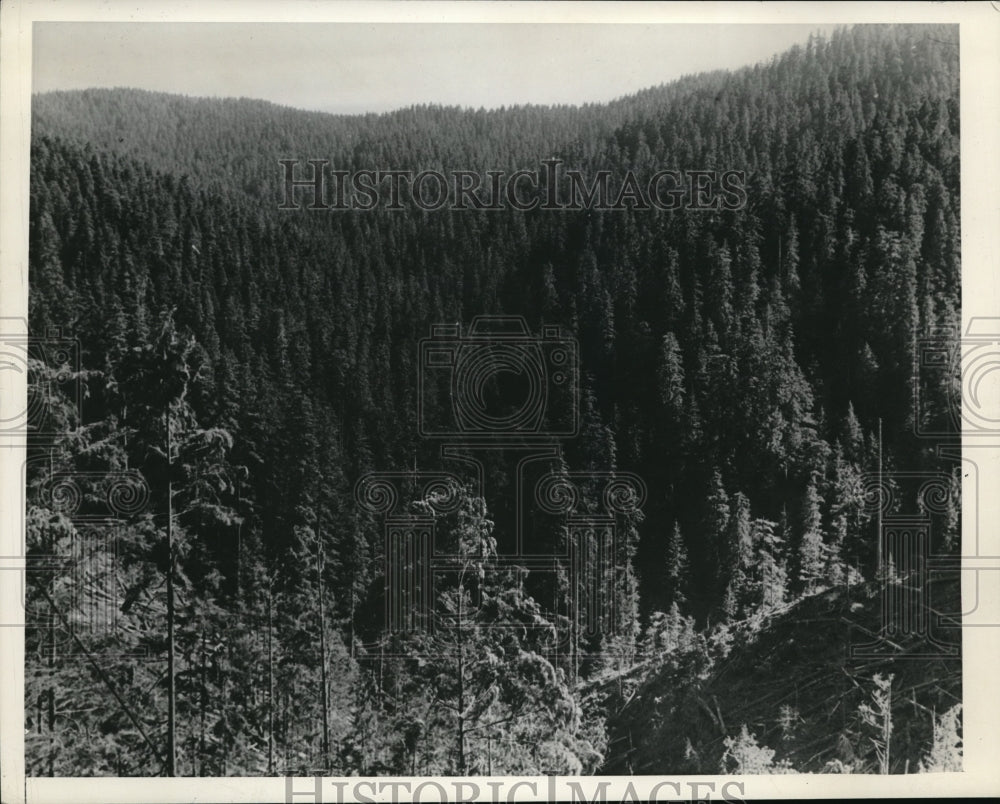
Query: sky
[(361, 67)]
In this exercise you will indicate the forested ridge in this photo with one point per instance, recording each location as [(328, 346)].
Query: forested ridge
[(252, 364)]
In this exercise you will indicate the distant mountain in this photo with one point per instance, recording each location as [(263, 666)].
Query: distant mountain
[(235, 143)]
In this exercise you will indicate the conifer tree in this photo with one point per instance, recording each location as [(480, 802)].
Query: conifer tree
[(677, 567), (809, 565)]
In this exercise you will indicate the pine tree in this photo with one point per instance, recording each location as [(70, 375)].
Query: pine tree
[(715, 525), (187, 466), (877, 716), (743, 755), (738, 556), (677, 567), (770, 578), (945, 755), (810, 546)]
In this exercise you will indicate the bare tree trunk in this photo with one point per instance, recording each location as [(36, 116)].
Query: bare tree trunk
[(354, 578), (171, 680), (286, 728), (202, 705), (225, 724), (322, 649), (270, 688), (52, 702), (381, 670), (50, 693), (461, 686), (887, 728)]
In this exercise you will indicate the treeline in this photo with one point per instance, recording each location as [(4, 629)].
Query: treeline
[(750, 366)]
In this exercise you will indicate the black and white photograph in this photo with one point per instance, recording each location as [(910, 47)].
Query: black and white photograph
[(454, 399)]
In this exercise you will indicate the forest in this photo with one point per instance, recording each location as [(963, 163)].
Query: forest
[(219, 378)]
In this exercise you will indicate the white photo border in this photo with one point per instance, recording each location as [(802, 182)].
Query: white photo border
[(980, 229)]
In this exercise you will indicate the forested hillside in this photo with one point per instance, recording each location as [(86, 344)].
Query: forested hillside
[(249, 365)]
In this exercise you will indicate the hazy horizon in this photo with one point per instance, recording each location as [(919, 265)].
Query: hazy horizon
[(375, 68)]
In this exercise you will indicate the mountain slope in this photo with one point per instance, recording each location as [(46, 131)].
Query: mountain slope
[(752, 366), (792, 681)]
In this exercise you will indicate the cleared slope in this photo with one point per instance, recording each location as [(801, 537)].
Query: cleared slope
[(800, 659)]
